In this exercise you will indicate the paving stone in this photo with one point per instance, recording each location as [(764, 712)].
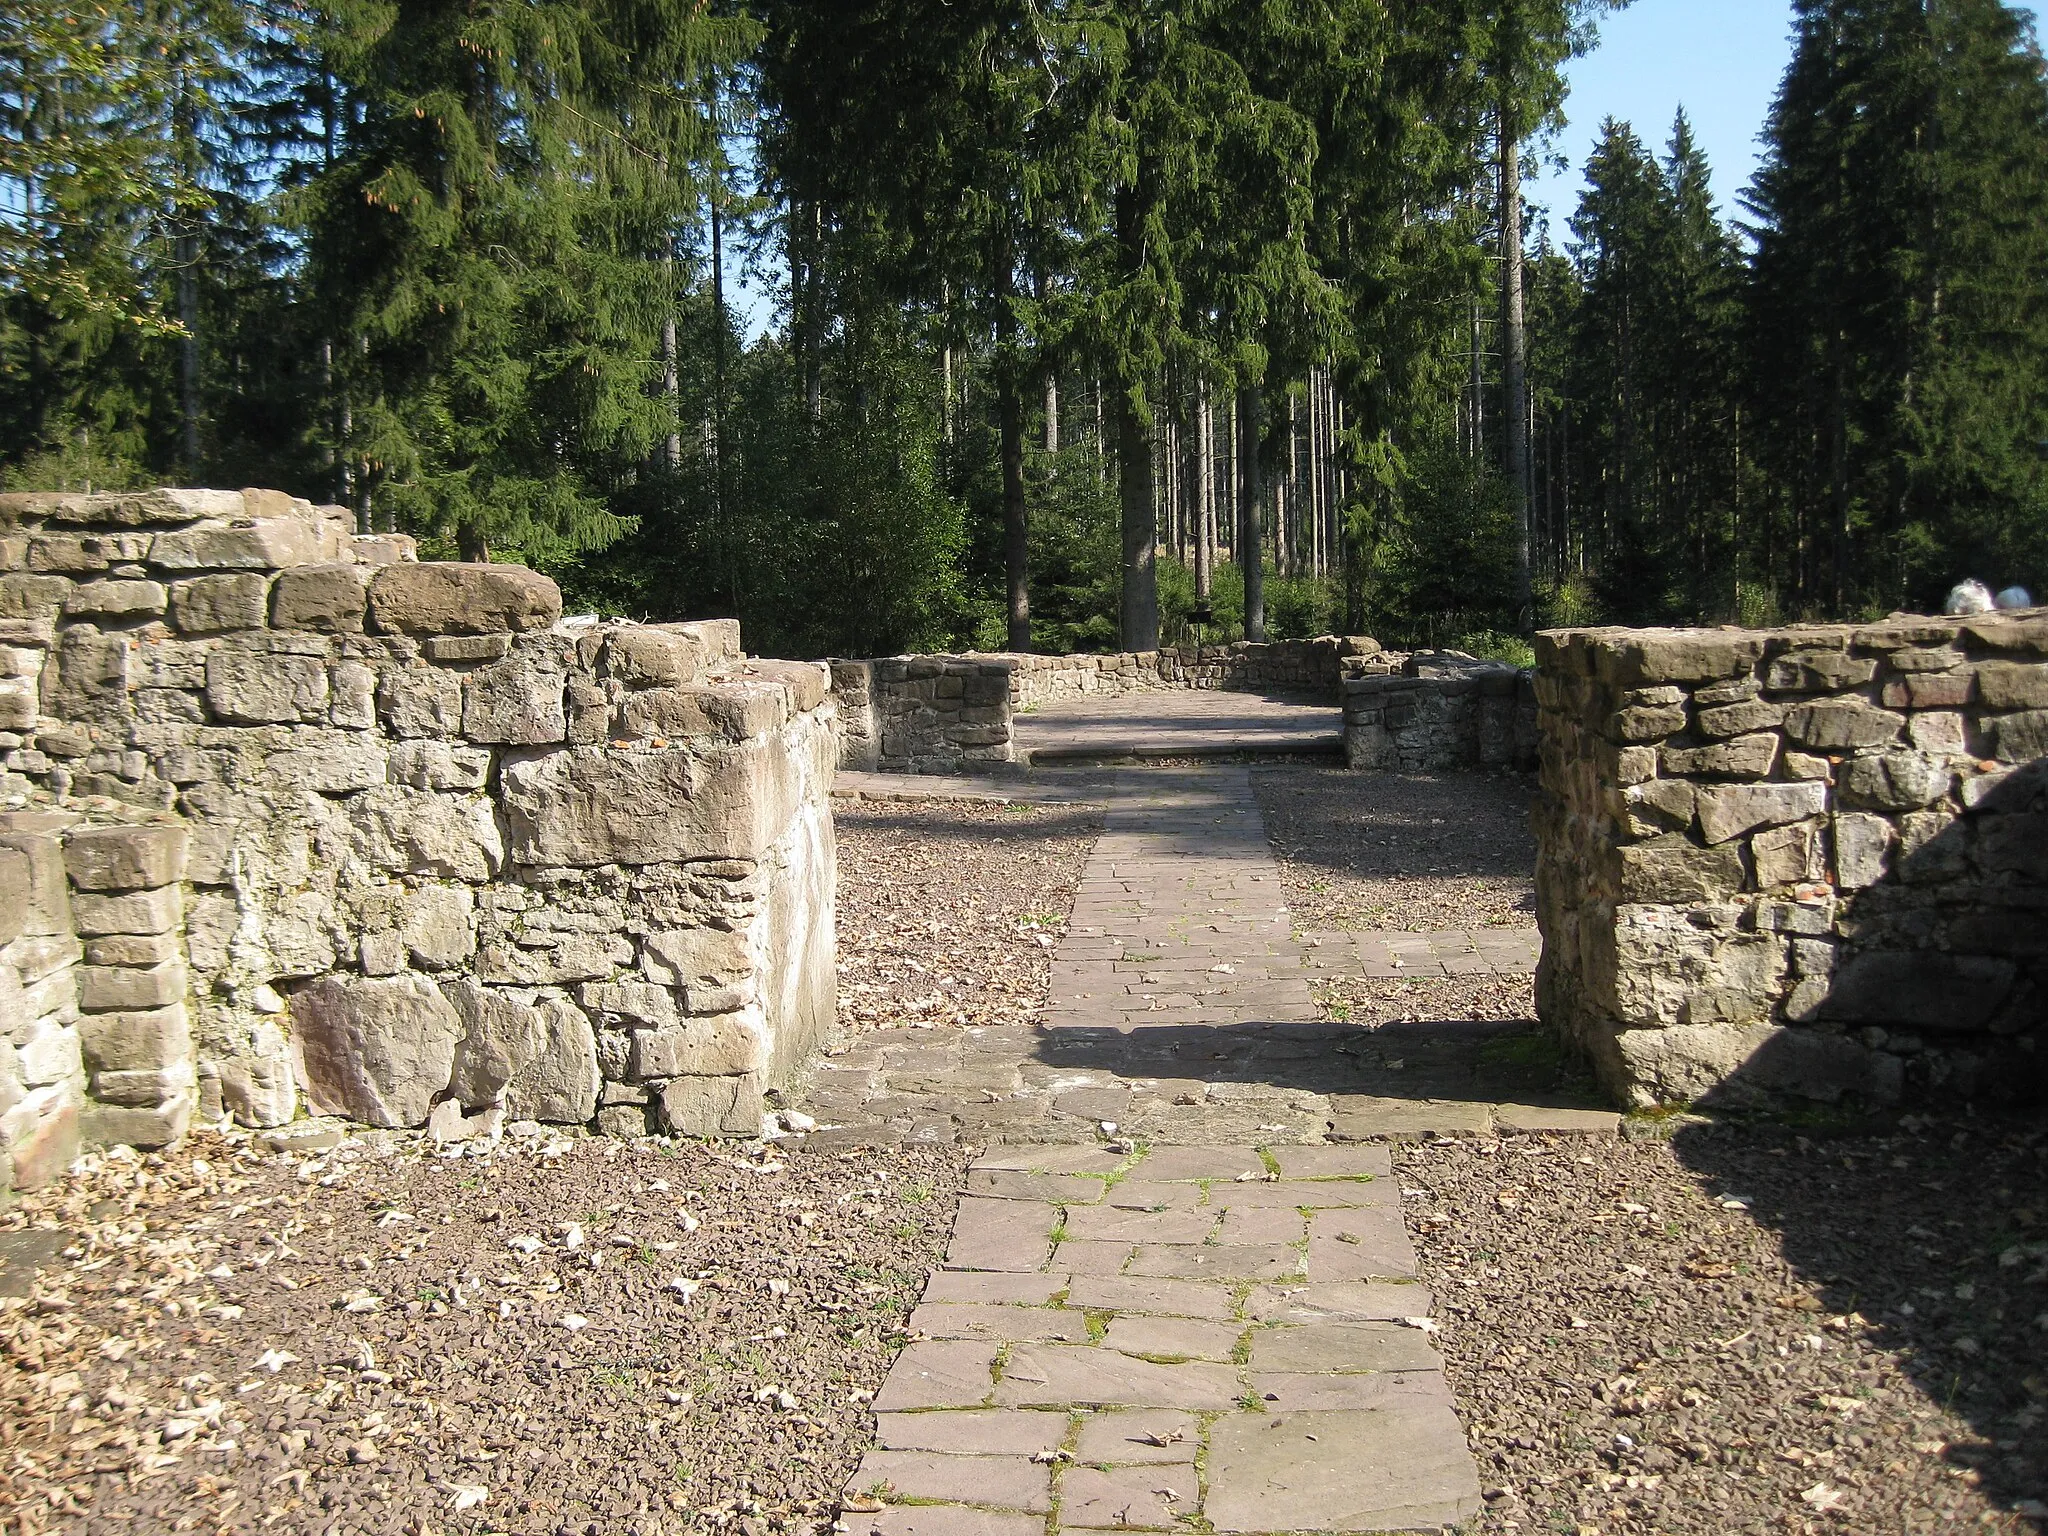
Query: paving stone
[(972, 1432), (1049, 1188), (1397, 1470), (942, 1520), (1169, 1165), (1108, 1224), (1556, 1122), (1150, 1498), (1167, 1298), (1358, 1245), (1146, 1436), (1361, 1117), (1334, 1162), (1051, 1375), (1173, 1338), (1000, 1324), (1191, 1263), (938, 1374), (1301, 1392), (1042, 1159), (1146, 1195), (1348, 1301), (1330, 1348), (997, 1482), (1330, 1194), (1092, 1258), (991, 1287), (1001, 1234), (1257, 1225)]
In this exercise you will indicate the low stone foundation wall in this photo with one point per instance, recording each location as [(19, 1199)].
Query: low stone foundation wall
[(1808, 863), (438, 852), (954, 714), (1437, 714)]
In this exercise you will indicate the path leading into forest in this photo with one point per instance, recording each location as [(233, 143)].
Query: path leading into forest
[(1175, 1299)]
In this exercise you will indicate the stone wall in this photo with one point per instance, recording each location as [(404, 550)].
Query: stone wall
[(1809, 863), (445, 853), (1434, 712), (954, 714)]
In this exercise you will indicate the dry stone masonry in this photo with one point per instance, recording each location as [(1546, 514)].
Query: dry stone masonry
[(1809, 862), (288, 817), (1437, 711)]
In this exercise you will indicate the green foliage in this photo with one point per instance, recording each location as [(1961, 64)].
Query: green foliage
[(1443, 563)]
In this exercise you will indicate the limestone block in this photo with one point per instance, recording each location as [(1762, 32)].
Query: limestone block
[(712, 1106), (106, 988), (1920, 991), (719, 1046), (518, 702), (265, 544), (501, 1037), (1788, 855), (142, 1087), (14, 893), (1728, 811), (421, 701), (2010, 632), (590, 712), (438, 925), (48, 1054), (1895, 781), (1741, 719), (35, 836), (354, 690), (1679, 656), (1818, 672), (2021, 738), (1863, 846), (125, 858), (327, 763), (636, 1002), (409, 831), (560, 1085), (159, 1125), (376, 1051), (85, 553), (1667, 968), (442, 598), (810, 683), (735, 709), (136, 1041), (156, 911), (381, 953), (461, 648), (1941, 690), (573, 957), (439, 765), (31, 598), (1744, 1064), (134, 949), (1928, 853), (258, 688), (41, 1134), (326, 599), (1842, 725), (1941, 732), (86, 678), (697, 957), (383, 548), (655, 656), (1746, 757), (589, 806), (1674, 869), (119, 601)]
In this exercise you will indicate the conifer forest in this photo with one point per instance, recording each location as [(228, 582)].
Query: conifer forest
[(1066, 324)]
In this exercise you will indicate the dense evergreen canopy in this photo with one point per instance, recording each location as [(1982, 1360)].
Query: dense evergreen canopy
[(1081, 302)]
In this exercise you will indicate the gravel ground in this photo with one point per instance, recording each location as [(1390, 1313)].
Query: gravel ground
[(1383, 851), (1490, 999), (949, 914), (561, 1336), (1747, 1328)]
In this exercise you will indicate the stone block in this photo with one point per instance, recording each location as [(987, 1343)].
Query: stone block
[(409, 831), (327, 763), (15, 887), (1940, 732), (1747, 1064), (140, 912), (137, 1041), (1842, 725), (461, 648), (267, 544), (159, 1125), (378, 1051), (326, 599), (117, 601), (697, 957), (657, 655), (2016, 845), (438, 598), (809, 682), (1678, 656), (561, 1084), (501, 1037), (439, 765), (1895, 781), (1741, 719), (1818, 672), (383, 548), (79, 554), (438, 925), (1787, 855), (420, 701), (125, 858), (735, 709), (86, 677), (712, 1106), (18, 704), (253, 687), (1746, 757), (142, 1087), (2020, 738), (1940, 690), (1863, 846), (1676, 870), (41, 1135), (353, 687), (110, 988), (722, 1046), (636, 1002), (517, 702), (1726, 812), (1920, 991), (577, 957)]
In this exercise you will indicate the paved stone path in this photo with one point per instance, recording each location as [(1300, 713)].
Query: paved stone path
[(1176, 1301), (1175, 724), (1196, 1338)]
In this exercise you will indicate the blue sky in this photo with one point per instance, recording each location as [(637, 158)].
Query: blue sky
[(1721, 59)]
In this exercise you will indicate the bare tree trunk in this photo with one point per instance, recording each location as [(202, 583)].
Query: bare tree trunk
[(1205, 512), (671, 381), (1514, 365), (1139, 610), (1475, 407), (1251, 497), (1052, 410), (1016, 523)]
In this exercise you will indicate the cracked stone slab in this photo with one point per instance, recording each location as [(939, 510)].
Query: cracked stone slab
[(1063, 1376), (1148, 1498), (995, 1482), (1139, 1436), (971, 1432), (1388, 1470), (939, 1374)]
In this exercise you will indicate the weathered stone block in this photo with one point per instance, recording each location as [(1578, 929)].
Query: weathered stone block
[(1941, 732), (1679, 656), (157, 911), (118, 600), (1818, 672), (256, 687), (354, 688), (327, 763), (560, 1084), (1940, 690), (14, 893), (134, 948), (438, 925), (655, 656), (435, 598), (517, 702), (1920, 991), (1741, 719), (84, 553), (439, 765), (1863, 846), (501, 1037), (712, 1106), (576, 957), (270, 544), (1842, 725), (86, 677), (735, 709), (461, 648), (327, 599), (1744, 1064), (108, 988), (421, 701), (125, 858), (1674, 869), (377, 1051), (408, 831), (639, 1002), (721, 1046), (1726, 812), (142, 1087), (136, 1041), (1895, 781), (1787, 855), (159, 1125), (2021, 738), (1747, 757)]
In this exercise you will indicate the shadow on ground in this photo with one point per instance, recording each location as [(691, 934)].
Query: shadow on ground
[(1936, 1232)]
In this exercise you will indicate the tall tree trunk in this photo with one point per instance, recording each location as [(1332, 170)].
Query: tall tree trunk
[(1205, 513), (1139, 608), (1016, 517), (671, 378), (1514, 363), (1052, 409), (723, 506), (1251, 503)]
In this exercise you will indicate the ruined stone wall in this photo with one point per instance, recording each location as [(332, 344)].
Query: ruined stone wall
[(954, 714), (1435, 713), (1807, 863), (444, 851)]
